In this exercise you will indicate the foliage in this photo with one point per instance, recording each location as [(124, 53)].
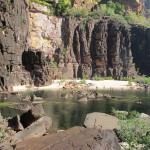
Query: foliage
[(53, 64), (97, 14), (98, 78), (82, 12), (139, 19), (133, 129), (83, 81), (142, 79), (42, 2), (120, 20), (63, 7), (84, 78), (115, 8)]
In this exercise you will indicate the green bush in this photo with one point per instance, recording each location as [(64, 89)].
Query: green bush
[(133, 129), (82, 12), (53, 64), (116, 8), (42, 2), (63, 7), (97, 14), (139, 19), (98, 78), (119, 19)]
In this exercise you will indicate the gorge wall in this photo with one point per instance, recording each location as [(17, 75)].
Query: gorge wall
[(36, 48), (140, 45), (13, 39)]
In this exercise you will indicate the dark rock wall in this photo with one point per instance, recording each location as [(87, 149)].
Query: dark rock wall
[(90, 48), (141, 48), (13, 35), (101, 48)]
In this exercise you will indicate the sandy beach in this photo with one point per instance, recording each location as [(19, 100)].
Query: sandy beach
[(90, 84)]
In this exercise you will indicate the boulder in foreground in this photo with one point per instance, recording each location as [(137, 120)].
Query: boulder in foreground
[(73, 139), (101, 120)]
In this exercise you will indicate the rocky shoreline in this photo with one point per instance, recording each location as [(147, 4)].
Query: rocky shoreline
[(30, 131)]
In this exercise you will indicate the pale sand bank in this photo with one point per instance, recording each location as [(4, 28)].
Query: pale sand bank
[(91, 84)]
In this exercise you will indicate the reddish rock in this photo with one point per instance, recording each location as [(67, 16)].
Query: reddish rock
[(72, 139)]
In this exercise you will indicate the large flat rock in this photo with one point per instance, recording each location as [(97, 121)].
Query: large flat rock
[(76, 138), (101, 120)]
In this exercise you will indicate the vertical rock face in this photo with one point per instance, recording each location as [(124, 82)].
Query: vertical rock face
[(13, 36), (44, 32), (98, 48), (44, 38), (141, 48), (35, 48)]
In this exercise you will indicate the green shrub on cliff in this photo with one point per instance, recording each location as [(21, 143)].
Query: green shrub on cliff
[(42, 2), (82, 12), (139, 19), (63, 7), (119, 19)]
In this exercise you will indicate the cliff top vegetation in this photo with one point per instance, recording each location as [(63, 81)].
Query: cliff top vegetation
[(113, 9)]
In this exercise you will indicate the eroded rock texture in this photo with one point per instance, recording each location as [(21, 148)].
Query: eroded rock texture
[(73, 139), (36, 48), (13, 36), (141, 49), (100, 48)]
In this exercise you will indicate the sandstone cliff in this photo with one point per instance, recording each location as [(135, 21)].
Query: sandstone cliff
[(36, 48)]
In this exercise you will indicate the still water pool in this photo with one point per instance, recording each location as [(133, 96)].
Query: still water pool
[(70, 112)]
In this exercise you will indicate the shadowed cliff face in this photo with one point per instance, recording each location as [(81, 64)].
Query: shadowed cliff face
[(141, 49), (98, 48), (13, 36)]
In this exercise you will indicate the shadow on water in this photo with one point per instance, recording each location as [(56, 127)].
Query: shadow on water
[(68, 113)]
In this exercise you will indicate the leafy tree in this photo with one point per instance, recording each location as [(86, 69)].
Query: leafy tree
[(62, 7)]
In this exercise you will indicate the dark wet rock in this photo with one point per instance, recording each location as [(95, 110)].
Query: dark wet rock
[(72, 139), (13, 37), (32, 115), (23, 106), (107, 96), (35, 98), (65, 95), (15, 124), (81, 94), (140, 43), (101, 120), (99, 95), (36, 129)]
